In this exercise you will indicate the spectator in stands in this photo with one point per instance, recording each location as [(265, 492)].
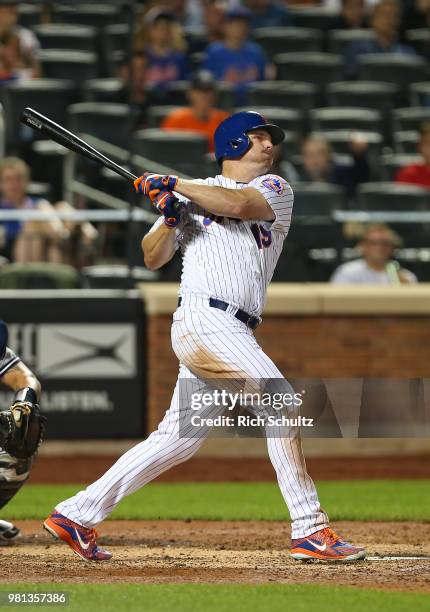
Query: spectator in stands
[(418, 174), (268, 14), (235, 59), (319, 164), (162, 39), (25, 241), (376, 266), (352, 15), (201, 116), (9, 25), (14, 64), (385, 23), (214, 14)]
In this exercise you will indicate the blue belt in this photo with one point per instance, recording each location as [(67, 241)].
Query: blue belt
[(243, 316)]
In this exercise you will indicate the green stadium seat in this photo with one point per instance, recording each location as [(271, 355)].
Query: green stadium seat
[(366, 94), (316, 17), (41, 275), (29, 14), (110, 122), (392, 162), (50, 96), (66, 36), (42, 191), (287, 39), (419, 94), (410, 118), (116, 276), (289, 119), (338, 40), (405, 141), (185, 152), (340, 139), (47, 164), (96, 14), (420, 40), (343, 118), (176, 94), (317, 68), (102, 90), (77, 66), (401, 70), (290, 94), (392, 197)]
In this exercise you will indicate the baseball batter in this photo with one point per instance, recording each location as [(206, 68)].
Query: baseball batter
[(230, 230), (21, 429)]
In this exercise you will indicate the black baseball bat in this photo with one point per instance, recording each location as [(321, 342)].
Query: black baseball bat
[(56, 132)]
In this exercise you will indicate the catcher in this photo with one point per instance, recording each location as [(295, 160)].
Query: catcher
[(21, 429)]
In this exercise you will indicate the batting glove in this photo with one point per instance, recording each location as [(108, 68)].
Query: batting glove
[(169, 206), (153, 184)]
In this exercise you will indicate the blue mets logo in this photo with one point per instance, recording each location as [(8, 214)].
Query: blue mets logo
[(274, 184)]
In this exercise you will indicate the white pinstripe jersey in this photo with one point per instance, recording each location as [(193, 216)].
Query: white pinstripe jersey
[(231, 259), (8, 360)]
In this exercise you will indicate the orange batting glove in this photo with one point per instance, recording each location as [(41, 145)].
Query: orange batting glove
[(152, 184)]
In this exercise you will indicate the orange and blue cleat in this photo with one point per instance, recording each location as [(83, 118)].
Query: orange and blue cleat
[(80, 539), (325, 545)]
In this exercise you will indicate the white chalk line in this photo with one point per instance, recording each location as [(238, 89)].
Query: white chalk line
[(392, 558)]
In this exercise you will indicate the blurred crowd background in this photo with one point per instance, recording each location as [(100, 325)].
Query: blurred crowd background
[(148, 82)]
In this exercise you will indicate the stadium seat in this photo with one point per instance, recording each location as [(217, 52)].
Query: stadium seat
[(367, 94), (116, 37), (156, 114), (392, 162), (290, 119), (116, 276), (286, 39), (316, 17), (183, 151), (38, 276), (176, 94), (317, 68), (338, 40), (410, 118), (313, 225), (399, 69), (420, 94), (420, 40), (405, 141), (291, 94), (102, 90), (196, 38), (66, 36), (29, 14), (47, 164), (391, 197), (110, 122), (50, 96), (96, 14), (77, 66), (39, 191), (343, 118)]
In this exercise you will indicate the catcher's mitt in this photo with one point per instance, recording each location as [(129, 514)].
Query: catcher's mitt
[(26, 423)]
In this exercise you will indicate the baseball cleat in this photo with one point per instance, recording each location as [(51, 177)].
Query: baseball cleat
[(325, 545), (80, 539), (8, 533)]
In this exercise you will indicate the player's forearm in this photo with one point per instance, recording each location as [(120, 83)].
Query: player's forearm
[(217, 200), (158, 247), (20, 377)]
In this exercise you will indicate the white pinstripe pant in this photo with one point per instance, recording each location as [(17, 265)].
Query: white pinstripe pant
[(208, 343)]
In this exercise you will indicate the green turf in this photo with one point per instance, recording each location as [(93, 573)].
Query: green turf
[(226, 598), (343, 500)]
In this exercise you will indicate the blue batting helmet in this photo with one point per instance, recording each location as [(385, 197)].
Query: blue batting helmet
[(3, 338), (231, 136)]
